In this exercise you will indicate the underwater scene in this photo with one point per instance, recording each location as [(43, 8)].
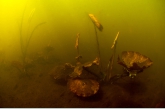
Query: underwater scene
[(82, 53)]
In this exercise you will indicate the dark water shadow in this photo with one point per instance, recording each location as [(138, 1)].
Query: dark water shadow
[(97, 97), (132, 85), (128, 104), (60, 82)]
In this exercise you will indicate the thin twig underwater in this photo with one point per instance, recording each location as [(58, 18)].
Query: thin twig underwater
[(25, 44)]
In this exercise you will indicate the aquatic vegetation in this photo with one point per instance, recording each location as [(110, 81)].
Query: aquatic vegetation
[(78, 57), (77, 42), (108, 72), (79, 85), (71, 71), (25, 44), (96, 22), (134, 62), (60, 72), (115, 41), (100, 27), (80, 67), (83, 87)]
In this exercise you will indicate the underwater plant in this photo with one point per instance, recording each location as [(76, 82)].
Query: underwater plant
[(78, 57), (77, 76), (100, 27), (83, 87), (84, 81), (96, 22), (108, 73), (25, 44), (134, 62)]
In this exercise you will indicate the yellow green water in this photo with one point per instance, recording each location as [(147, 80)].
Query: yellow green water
[(141, 24)]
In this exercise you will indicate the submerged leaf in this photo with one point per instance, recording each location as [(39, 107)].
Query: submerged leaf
[(83, 87), (134, 62), (77, 71), (96, 22)]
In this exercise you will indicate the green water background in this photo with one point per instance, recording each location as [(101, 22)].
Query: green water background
[(141, 24)]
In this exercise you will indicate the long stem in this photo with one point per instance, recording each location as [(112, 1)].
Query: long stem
[(21, 34), (78, 51), (111, 63), (24, 47), (111, 60), (21, 39), (29, 22), (98, 47), (27, 44)]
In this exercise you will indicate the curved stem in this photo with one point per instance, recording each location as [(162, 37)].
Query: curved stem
[(32, 35), (21, 35), (98, 47)]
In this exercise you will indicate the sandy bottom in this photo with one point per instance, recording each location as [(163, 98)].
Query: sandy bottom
[(39, 89)]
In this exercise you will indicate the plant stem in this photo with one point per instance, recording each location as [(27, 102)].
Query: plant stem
[(111, 60), (98, 47)]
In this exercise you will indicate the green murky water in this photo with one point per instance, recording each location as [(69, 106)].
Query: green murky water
[(42, 33)]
